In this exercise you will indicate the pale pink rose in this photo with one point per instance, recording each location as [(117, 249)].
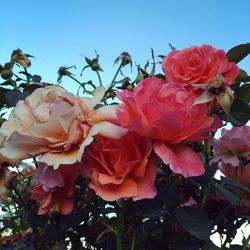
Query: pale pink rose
[(232, 153), (48, 177), (198, 64), (165, 111), (54, 189), (121, 168), (57, 125), (232, 145)]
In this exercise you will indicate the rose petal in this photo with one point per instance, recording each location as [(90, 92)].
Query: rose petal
[(56, 159), (146, 187), (114, 192), (180, 157)]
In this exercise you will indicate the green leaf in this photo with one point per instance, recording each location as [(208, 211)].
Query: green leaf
[(241, 75), (161, 76), (240, 112), (30, 88), (234, 183), (229, 196), (194, 221), (168, 194), (36, 78), (244, 92), (237, 53), (13, 96), (210, 246)]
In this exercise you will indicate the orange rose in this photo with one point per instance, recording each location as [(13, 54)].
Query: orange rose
[(121, 168)]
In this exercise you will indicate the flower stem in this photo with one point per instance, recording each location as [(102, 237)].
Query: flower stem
[(73, 78), (27, 76), (113, 81), (119, 230), (99, 78), (81, 85)]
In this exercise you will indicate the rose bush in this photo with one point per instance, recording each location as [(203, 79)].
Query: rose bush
[(89, 171)]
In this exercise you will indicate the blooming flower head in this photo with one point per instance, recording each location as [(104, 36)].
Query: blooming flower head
[(165, 111), (232, 153), (233, 145), (121, 168), (54, 188), (198, 64), (57, 125)]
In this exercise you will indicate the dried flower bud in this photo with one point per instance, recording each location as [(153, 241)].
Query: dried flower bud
[(18, 57), (125, 59)]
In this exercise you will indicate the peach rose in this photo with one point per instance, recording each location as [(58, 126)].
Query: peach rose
[(165, 111), (121, 168), (198, 64), (54, 188), (57, 125)]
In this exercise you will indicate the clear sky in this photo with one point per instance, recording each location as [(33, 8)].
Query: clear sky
[(56, 32)]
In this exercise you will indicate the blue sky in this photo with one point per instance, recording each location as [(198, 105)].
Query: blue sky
[(57, 32)]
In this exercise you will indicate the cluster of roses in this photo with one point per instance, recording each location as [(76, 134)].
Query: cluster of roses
[(118, 147)]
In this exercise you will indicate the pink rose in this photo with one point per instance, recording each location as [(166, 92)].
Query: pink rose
[(57, 125), (121, 168), (166, 112), (232, 145), (54, 188), (198, 64), (232, 153)]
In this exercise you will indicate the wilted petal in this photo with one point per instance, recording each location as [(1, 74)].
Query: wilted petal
[(204, 98), (225, 101)]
